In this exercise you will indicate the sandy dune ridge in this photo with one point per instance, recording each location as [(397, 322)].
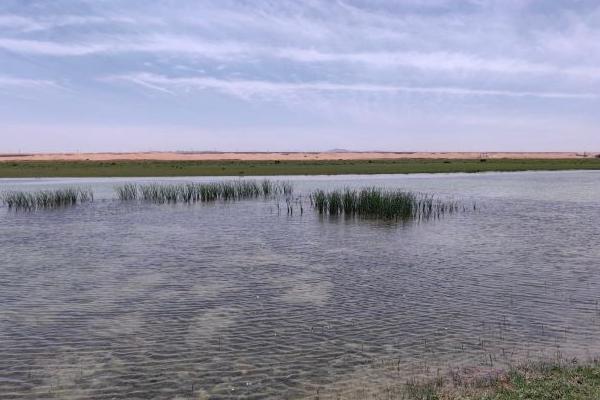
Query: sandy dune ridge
[(285, 156)]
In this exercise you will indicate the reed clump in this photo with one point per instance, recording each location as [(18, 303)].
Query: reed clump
[(127, 191), (381, 203), (46, 199), (202, 192)]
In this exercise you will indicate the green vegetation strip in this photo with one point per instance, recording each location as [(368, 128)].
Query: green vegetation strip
[(531, 382), (25, 169)]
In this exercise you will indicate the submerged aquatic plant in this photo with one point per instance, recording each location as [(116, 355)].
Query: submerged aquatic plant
[(380, 203), (202, 192), (44, 199)]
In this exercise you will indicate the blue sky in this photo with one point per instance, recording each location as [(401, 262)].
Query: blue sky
[(108, 75)]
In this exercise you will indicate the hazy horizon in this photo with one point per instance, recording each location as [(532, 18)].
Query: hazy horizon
[(308, 151), (93, 76)]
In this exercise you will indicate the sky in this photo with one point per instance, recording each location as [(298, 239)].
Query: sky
[(254, 75)]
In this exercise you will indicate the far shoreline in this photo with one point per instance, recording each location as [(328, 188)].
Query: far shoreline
[(337, 155), (76, 168)]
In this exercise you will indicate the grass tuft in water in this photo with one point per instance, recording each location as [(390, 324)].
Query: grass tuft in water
[(380, 203), (202, 192), (128, 191), (46, 199)]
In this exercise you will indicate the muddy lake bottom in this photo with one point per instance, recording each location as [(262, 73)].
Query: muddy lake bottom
[(133, 300)]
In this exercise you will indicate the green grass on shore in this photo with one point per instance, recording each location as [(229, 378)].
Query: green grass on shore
[(29, 169), (531, 382)]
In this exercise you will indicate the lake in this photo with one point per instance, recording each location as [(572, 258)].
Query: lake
[(116, 299)]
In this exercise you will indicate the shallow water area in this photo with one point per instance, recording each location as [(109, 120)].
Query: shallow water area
[(242, 300)]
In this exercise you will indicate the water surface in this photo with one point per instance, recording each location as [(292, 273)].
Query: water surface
[(226, 300)]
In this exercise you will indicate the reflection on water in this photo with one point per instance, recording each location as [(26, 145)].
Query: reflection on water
[(131, 300)]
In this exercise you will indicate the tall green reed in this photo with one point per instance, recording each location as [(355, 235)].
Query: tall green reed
[(380, 203), (46, 199), (202, 192)]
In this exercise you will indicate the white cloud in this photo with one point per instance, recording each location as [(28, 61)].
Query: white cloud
[(23, 24), (240, 52), (12, 82), (248, 88), (20, 23), (49, 48)]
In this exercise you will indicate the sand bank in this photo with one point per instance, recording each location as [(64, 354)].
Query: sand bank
[(286, 156)]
